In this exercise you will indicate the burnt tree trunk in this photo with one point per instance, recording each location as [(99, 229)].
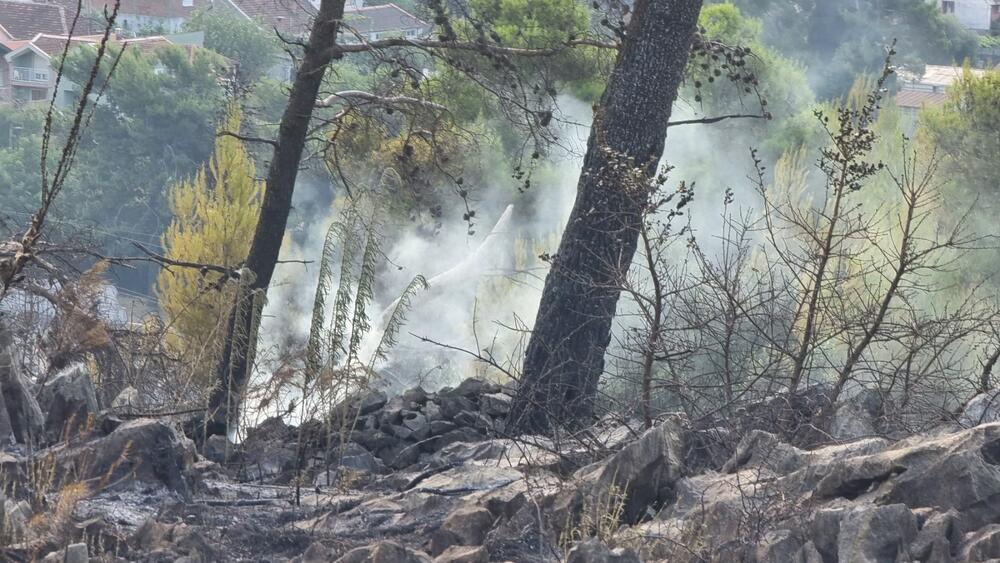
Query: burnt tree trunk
[(565, 356), (232, 370)]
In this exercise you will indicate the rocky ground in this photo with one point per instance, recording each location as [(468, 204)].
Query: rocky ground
[(431, 477)]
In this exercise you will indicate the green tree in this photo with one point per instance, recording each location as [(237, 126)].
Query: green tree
[(254, 49), (840, 39), (154, 128), (214, 216)]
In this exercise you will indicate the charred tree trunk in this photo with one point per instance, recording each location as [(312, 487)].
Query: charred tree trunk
[(232, 370), (565, 356)]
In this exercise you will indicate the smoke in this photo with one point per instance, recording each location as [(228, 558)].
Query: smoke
[(484, 288), (481, 285)]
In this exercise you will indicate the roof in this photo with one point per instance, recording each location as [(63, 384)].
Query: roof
[(388, 17), (24, 20), (939, 76), (54, 44), (917, 99), (150, 8), (287, 16)]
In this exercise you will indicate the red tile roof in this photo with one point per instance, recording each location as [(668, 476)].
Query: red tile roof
[(287, 16), (150, 8), (54, 44), (24, 20), (918, 99), (387, 17)]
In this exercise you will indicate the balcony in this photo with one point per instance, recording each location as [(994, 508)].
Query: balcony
[(30, 75)]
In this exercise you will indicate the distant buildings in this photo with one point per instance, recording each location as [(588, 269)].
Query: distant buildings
[(977, 15), (928, 89), (385, 21)]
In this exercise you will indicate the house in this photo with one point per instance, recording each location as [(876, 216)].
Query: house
[(977, 15), (26, 66), (371, 23), (929, 89), (164, 16), (21, 20)]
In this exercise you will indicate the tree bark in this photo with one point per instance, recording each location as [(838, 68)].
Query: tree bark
[(565, 355), (232, 370)]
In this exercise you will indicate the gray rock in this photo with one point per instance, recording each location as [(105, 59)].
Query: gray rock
[(127, 402), (874, 534), (218, 449), (417, 423), (458, 435), (20, 414), (355, 457), (373, 440), (495, 404), (16, 517), (392, 413), (982, 545), (473, 387), (476, 420), (76, 553), (150, 452), (467, 525), (644, 472), (451, 405), (463, 554), (984, 408), (415, 396), (384, 552), (69, 400), (593, 551), (438, 427), (432, 411)]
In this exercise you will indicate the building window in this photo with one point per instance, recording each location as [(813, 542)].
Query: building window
[(948, 6), (187, 3)]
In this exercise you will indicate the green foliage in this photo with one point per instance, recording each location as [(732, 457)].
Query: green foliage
[(237, 39), (781, 81), (215, 215), (840, 39), (20, 157), (965, 130), (154, 128)]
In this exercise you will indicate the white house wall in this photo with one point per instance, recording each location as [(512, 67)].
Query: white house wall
[(973, 14)]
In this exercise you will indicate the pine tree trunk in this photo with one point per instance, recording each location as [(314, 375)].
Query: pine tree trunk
[(231, 372), (565, 356)]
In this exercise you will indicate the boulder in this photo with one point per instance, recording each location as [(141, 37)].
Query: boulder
[(872, 534), (477, 420), (463, 554), (465, 526), (450, 405), (417, 424), (384, 552), (148, 452), (74, 553), (218, 449), (359, 405), (856, 416), (415, 396), (474, 387), (68, 400), (982, 545), (643, 473), (127, 402), (353, 456), (495, 404), (20, 414), (158, 541), (15, 518), (593, 551), (981, 409)]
